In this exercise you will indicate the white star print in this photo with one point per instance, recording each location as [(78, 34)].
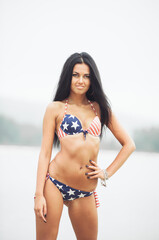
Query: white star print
[(63, 195), (71, 116), (71, 198), (81, 195), (59, 186), (70, 192), (65, 126), (75, 125)]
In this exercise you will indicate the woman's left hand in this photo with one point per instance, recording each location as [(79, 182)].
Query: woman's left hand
[(97, 172)]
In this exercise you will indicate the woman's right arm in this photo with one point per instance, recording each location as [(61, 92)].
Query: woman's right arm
[(44, 158)]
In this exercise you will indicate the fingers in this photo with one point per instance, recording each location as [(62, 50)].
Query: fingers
[(40, 210), (39, 213), (96, 171), (93, 177), (93, 163), (44, 210), (42, 216), (94, 174), (92, 167)]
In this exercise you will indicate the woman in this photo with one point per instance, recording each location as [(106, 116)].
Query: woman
[(76, 119)]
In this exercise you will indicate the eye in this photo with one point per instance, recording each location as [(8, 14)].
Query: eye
[(87, 76), (75, 75)]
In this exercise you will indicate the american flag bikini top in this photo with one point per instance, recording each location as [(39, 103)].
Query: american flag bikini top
[(71, 125)]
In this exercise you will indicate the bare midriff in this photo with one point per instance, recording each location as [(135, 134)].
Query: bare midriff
[(69, 164)]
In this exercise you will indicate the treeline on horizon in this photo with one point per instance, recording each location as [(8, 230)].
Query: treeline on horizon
[(13, 133)]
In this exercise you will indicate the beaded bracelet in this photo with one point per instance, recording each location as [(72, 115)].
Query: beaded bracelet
[(103, 181), (37, 196)]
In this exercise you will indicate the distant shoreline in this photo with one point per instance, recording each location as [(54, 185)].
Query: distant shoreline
[(16, 134)]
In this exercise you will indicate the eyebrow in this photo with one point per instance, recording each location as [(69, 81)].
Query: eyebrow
[(84, 74)]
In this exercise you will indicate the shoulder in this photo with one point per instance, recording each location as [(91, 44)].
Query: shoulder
[(53, 108), (95, 104), (54, 105)]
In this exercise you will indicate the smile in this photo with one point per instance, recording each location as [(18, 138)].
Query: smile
[(80, 87)]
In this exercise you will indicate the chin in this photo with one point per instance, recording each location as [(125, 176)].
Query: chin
[(79, 92)]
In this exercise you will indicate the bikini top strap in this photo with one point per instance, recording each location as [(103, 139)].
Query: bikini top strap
[(66, 106), (92, 106)]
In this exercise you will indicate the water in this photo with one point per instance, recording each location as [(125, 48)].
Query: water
[(129, 205)]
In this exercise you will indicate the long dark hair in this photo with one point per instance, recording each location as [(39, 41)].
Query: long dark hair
[(94, 93)]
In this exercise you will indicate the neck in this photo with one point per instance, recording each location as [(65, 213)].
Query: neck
[(77, 99)]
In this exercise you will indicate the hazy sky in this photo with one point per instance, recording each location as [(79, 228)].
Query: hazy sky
[(36, 37)]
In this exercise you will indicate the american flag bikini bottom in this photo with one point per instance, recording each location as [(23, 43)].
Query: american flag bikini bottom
[(69, 193)]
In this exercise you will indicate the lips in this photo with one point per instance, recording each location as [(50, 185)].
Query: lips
[(80, 87)]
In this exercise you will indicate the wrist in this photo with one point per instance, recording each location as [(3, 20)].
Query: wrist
[(38, 194), (105, 177), (109, 173)]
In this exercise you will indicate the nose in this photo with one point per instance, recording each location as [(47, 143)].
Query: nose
[(81, 79)]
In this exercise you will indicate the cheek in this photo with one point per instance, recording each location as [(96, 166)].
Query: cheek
[(72, 82)]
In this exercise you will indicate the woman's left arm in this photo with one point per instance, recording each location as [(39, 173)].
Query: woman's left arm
[(128, 145)]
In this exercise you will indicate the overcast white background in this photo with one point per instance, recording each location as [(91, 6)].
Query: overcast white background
[(36, 37)]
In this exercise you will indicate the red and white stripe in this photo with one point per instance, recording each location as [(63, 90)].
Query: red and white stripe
[(61, 134), (96, 199), (95, 127)]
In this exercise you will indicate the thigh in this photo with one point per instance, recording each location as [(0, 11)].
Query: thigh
[(54, 204), (83, 215)]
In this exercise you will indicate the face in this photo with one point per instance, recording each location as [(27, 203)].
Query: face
[(80, 79)]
